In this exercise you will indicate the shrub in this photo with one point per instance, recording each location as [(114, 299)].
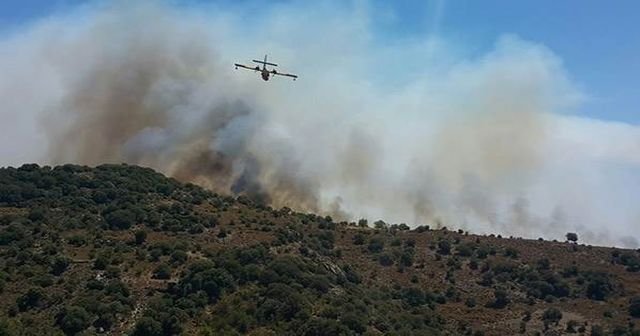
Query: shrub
[(422, 228), (444, 247), (222, 233), (543, 264), (147, 326), (30, 299), (599, 286), (414, 297), (571, 326), (380, 225), (470, 302), (73, 319), (376, 244), (77, 240), (179, 256), (59, 265), (634, 306), (162, 271), (101, 262), (501, 299), (551, 316), (464, 250), (406, 258), (140, 237), (120, 219), (511, 252), (385, 259), (482, 252), (356, 322), (572, 237), (597, 330)]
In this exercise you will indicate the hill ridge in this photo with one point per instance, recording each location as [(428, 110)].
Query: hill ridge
[(122, 249)]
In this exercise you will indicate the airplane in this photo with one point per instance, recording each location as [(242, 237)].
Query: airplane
[(264, 72)]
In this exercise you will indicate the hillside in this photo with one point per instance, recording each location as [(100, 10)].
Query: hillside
[(121, 249)]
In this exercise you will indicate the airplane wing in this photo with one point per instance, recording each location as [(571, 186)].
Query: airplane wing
[(246, 67), (284, 74)]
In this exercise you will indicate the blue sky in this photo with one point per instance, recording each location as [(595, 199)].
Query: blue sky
[(598, 41)]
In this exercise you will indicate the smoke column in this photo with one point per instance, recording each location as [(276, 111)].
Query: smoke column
[(416, 132)]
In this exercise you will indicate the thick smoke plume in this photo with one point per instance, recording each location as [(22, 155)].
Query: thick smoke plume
[(413, 131)]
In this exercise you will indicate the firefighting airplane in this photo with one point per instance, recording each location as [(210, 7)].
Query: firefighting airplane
[(264, 72)]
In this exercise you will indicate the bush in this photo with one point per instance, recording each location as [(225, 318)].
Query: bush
[(101, 262), (599, 286), (77, 240), (572, 237), (179, 256), (597, 330), (358, 239), (385, 259), (147, 326), (444, 247), (501, 299), (422, 228), (511, 252), (37, 214), (163, 272), (120, 219), (482, 252), (406, 258), (357, 323), (73, 320), (634, 306), (571, 326), (543, 264), (222, 233), (551, 316), (376, 245), (59, 265), (140, 237), (470, 302), (464, 250), (414, 297), (30, 299), (380, 225)]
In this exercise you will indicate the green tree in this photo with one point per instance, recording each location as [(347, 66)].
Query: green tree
[(501, 298), (385, 259), (634, 306), (444, 247), (599, 286), (30, 299), (121, 219), (358, 239), (147, 326), (376, 245), (179, 256), (551, 316), (162, 271), (73, 319), (59, 265), (140, 237)]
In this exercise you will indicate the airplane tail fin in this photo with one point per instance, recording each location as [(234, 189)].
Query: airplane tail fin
[(265, 61)]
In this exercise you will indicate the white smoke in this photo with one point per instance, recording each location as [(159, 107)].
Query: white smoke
[(409, 131)]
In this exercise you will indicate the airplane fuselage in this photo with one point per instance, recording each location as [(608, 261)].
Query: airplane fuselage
[(265, 74)]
